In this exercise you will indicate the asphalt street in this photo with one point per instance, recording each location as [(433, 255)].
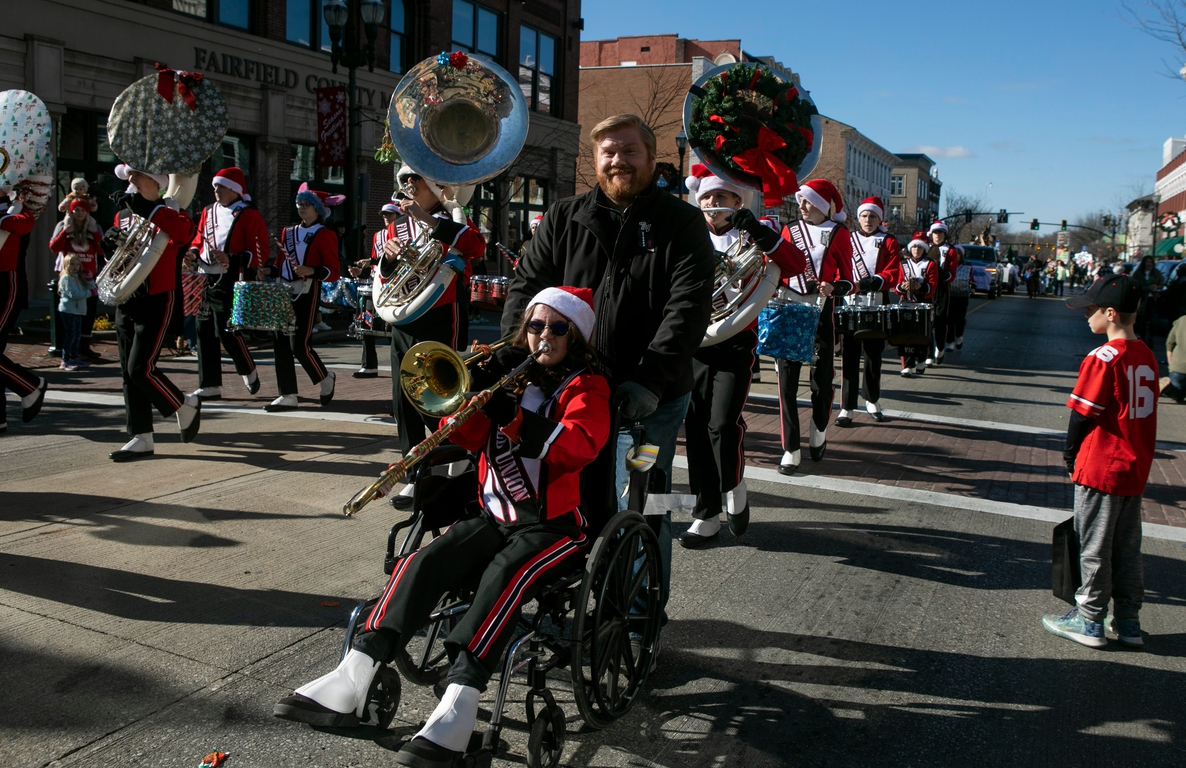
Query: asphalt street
[(153, 612)]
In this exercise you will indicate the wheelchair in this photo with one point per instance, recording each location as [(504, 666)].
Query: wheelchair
[(601, 621)]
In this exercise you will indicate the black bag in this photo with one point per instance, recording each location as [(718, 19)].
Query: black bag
[(1064, 561)]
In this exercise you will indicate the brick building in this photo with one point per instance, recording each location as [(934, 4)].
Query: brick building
[(858, 166), (1170, 187), (268, 57), (914, 194)]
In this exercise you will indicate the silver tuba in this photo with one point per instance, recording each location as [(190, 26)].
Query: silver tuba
[(155, 134), (745, 279), (457, 119)]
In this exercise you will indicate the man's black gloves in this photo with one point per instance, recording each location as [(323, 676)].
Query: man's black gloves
[(745, 221), (870, 284), (637, 402), (504, 361), (501, 408)]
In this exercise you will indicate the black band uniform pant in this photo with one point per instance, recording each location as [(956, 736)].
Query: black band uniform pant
[(298, 345), (141, 326), (213, 329), (714, 426), (823, 392), (437, 324), (13, 376), (942, 316), (370, 359), (957, 317), (851, 349), (509, 566)]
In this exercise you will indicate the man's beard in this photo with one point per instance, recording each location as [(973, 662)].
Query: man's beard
[(620, 194)]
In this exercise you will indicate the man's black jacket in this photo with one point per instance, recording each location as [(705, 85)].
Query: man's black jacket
[(652, 283)]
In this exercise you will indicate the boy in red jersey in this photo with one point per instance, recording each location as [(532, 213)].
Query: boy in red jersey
[(1110, 444)]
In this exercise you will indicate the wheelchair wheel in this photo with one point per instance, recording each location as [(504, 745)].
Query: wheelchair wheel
[(425, 661), (616, 627), (382, 699), (545, 744)]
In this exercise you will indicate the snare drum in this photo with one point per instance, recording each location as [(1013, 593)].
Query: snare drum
[(862, 322), (499, 287), (787, 331), (367, 322), (262, 307), (479, 289), (496, 296), (910, 324), (340, 293)]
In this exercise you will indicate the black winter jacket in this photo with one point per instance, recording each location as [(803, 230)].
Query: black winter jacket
[(652, 284)]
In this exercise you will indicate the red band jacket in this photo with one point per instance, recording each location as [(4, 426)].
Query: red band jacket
[(463, 242), (16, 225), (180, 229), (825, 249), (925, 270), (530, 470), (238, 231), (314, 246), (880, 256)]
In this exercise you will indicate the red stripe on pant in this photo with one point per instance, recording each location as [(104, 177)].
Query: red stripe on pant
[(159, 382), (511, 596), (380, 609), (307, 347), (16, 375)]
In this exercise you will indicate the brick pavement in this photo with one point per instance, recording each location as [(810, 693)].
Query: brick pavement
[(994, 464)]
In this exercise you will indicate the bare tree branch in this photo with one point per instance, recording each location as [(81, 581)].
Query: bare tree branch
[(1164, 21)]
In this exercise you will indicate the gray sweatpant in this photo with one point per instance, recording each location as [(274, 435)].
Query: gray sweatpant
[(1109, 530)]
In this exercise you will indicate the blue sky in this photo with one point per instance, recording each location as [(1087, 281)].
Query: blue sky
[(1062, 106)]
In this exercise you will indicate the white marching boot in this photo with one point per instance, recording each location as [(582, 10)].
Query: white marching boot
[(452, 722), (790, 462), (817, 440), (737, 509), (345, 689)]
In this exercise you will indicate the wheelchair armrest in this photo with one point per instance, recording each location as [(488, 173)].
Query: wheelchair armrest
[(445, 454)]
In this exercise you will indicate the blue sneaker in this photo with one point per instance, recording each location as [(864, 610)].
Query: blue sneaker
[(1128, 631), (1075, 627)]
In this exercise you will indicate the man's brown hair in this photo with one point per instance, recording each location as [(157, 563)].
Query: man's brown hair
[(622, 122)]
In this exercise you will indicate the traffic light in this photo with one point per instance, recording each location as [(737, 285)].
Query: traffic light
[(1034, 225), (1002, 216), (967, 217), (1064, 225)]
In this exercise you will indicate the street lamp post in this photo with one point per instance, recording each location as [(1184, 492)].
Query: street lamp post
[(681, 144), (339, 17)]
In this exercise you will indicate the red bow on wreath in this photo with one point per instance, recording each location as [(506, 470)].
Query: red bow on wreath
[(183, 82), (778, 179)]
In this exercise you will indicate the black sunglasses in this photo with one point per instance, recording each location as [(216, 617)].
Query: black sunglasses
[(558, 328)]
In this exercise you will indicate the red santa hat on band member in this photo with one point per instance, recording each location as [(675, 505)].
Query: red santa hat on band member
[(233, 179), (919, 239), (535, 221), (703, 181), (938, 226), (822, 194), (123, 172), (574, 303), (873, 204)]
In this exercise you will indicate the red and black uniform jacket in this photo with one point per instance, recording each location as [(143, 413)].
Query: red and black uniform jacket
[(320, 252), (180, 229), (947, 259), (246, 243), (17, 225), (834, 264), (789, 260), (924, 269), (889, 259), (530, 470), (463, 242)]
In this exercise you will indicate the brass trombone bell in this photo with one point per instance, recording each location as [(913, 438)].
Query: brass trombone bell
[(435, 377)]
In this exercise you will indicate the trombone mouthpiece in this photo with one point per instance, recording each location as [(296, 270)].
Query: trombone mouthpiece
[(543, 348)]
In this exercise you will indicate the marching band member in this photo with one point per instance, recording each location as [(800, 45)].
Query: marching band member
[(919, 283), (822, 239), (362, 269), (957, 312), (535, 435), (230, 245), (433, 207), (876, 268), (308, 257), (17, 222), (721, 373), (142, 322), (947, 259)]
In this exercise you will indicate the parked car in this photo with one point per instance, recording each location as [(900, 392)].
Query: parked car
[(986, 271)]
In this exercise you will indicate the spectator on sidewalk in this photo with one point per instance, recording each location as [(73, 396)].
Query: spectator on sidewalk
[(1176, 360), (74, 290), (1061, 273), (1110, 443)]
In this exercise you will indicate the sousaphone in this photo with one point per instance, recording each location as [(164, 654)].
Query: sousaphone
[(26, 160)]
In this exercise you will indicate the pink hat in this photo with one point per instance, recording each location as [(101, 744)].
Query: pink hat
[(574, 303), (702, 181), (822, 194), (233, 179), (872, 204)]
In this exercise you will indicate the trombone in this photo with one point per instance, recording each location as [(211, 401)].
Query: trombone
[(435, 379)]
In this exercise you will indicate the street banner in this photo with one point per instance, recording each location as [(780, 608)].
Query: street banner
[(331, 126)]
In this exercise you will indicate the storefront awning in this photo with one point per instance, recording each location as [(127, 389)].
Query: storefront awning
[(1167, 247)]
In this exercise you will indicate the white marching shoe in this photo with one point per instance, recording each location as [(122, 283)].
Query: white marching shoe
[(875, 411), (252, 382), (345, 689), (139, 447), (208, 393), (844, 418), (452, 722), (327, 387), (959, 342), (790, 462), (700, 532), (737, 509), (817, 440), (282, 403), (189, 418), (403, 499)]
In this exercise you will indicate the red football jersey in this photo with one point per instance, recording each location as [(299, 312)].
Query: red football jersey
[(1117, 387)]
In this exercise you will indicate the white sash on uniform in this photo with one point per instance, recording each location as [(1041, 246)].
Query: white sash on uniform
[(294, 245)]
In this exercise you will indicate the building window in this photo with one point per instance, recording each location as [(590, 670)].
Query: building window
[(537, 59), (304, 24), (232, 13), (304, 169), (475, 29), (398, 22), (897, 186)]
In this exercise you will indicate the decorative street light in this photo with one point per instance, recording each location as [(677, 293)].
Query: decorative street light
[(681, 144), (345, 50)]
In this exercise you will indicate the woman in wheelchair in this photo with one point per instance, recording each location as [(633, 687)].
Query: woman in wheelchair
[(534, 438)]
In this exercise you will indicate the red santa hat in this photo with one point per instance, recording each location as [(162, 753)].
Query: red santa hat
[(919, 239), (872, 204), (822, 194), (535, 221), (123, 172), (938, 226), (574, 303), (233, 179), (703, 181)]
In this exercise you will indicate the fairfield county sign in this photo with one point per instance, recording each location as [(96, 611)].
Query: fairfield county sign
[(230, 65)]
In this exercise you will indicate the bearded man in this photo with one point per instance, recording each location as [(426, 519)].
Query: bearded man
[(649, 260)]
